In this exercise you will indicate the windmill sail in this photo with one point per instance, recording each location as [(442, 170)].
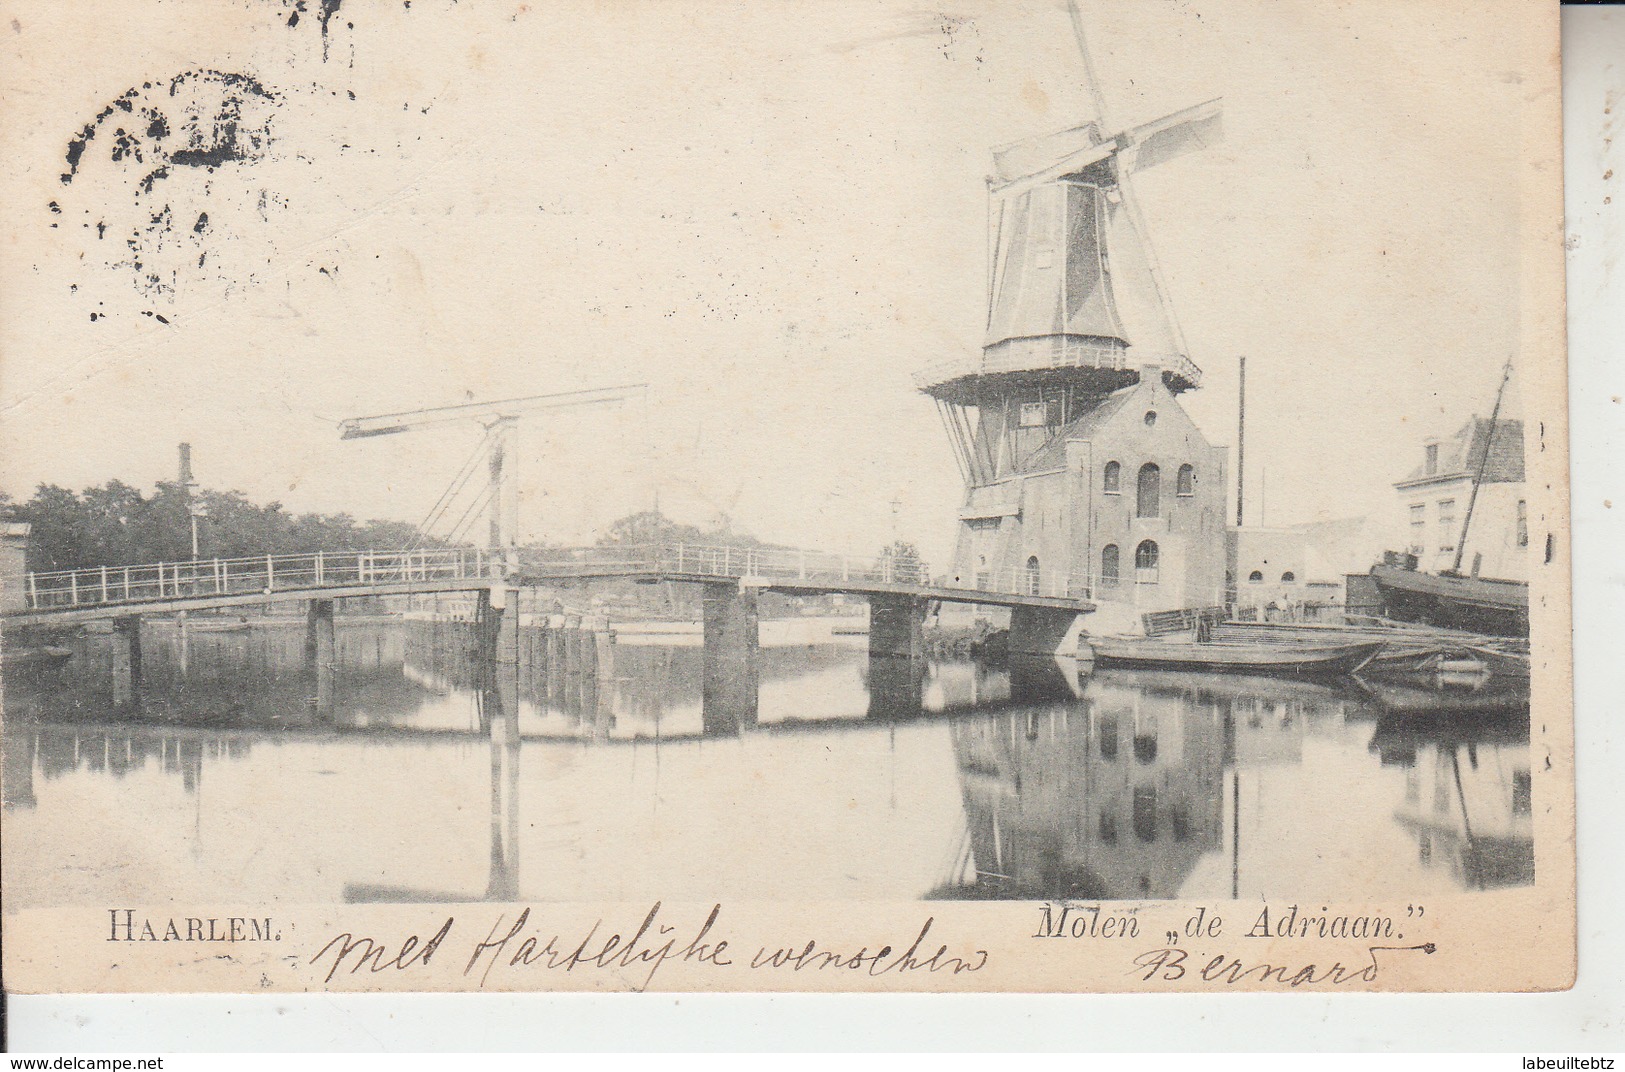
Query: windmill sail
[(1074, 147), (1073, 277), (1047, 157), (1147, 320), (1198, 127)]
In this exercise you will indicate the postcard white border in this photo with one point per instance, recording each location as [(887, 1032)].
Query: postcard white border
[(1586, 1019)]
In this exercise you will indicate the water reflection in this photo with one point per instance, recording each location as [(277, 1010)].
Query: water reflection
[(587, 769), (1114, 799), (1468, 796)]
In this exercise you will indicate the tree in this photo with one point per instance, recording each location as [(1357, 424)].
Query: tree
[(649, 527), (901, 562), (116, 525)]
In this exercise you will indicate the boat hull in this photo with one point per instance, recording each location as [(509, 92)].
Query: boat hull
[(1481, 605), (1293, 661)]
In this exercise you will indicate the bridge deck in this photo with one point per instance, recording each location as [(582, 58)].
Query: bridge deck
[(73, 596), (799, 586), (177, 603)]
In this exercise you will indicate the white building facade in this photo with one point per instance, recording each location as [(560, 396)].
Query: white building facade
[(1434, 501)]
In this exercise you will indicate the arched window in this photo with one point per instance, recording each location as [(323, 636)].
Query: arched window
[(1112, 480), (1032, 576), (1148, 500), (1109, 566), (1187, 480), (1145, 555), (1288, 577), (1145, 562), (1255, 577)]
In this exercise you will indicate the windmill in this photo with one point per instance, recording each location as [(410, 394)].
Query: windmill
[(1076, 305), (1067, 420)]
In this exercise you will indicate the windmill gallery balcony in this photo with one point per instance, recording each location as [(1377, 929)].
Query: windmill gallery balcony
[(1051, 352)]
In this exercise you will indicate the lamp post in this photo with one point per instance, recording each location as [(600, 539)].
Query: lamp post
[(196, 510)]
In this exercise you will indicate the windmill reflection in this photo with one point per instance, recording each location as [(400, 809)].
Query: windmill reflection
[(1119, 793), (1115, 797)]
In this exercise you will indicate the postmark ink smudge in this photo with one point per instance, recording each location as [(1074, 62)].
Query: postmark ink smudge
[(162, 166), (221, 117), (325, 11)]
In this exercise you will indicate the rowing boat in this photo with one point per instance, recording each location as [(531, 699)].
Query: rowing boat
[(1291, 659)]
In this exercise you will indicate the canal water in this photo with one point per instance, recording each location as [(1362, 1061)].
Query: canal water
[(436, 778)]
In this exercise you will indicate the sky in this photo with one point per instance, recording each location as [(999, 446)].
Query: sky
[(772, 214)]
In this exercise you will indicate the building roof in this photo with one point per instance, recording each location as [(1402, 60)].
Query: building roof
[(1052, 455), (1464, 452)]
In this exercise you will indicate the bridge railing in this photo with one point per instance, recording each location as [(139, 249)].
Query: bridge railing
[(104, 585), (817, 569), (265, 574)]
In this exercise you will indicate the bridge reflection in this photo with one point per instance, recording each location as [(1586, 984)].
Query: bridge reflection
[(1120, 785)]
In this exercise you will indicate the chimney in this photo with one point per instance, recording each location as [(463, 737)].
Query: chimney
[(185, 478)]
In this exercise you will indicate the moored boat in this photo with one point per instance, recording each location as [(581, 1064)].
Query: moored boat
[(1404, 646), (1481, 604), (1289, 659)]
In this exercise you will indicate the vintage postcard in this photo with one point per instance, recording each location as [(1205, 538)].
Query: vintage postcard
[(831, 496)]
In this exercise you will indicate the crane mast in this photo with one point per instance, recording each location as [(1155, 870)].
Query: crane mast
[(499, 418)]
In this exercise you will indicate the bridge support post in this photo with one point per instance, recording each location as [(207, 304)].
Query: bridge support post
[(555, 641), (730, 677), (1045, 631), (183, 645), (897, 626), (603, 646), (497, 629), (496, 620), (320, 654), (896, 656), (126, 661), (579, 653)]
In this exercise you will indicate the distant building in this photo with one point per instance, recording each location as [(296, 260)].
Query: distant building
[(1297, 572), (1277, 576), (14, 565), (1434, 498)]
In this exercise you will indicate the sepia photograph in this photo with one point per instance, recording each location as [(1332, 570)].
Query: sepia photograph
[(840, 496)]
